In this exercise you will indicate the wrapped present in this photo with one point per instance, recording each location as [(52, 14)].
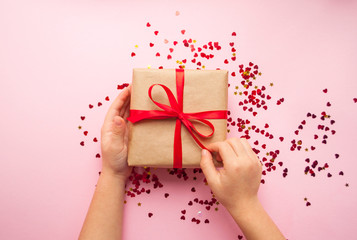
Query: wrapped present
[(174, 113)]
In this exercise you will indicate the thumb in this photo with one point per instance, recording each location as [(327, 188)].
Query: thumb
[(208, 167), (118, 130)]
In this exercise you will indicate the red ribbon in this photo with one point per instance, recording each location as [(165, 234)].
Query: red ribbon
[(175, 110)]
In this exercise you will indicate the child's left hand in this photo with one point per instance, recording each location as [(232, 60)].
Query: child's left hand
[(114, 137)]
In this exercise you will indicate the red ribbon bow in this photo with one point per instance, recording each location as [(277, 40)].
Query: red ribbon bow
[(175, 110)]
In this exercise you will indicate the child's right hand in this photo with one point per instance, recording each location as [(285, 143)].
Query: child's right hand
[(237, 183)]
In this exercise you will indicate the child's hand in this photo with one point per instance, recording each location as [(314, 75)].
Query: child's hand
[(114, 141), (237, 183)]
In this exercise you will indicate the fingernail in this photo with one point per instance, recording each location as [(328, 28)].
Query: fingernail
[(204, 152)]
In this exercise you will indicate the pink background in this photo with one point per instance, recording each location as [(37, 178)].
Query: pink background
[(56, 57)]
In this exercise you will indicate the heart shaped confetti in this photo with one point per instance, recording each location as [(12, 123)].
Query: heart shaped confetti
[(253, 99)]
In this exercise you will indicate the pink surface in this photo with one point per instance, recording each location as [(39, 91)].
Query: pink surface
[(56, 57)]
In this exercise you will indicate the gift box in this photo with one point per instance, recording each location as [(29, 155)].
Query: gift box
[(174, 113)]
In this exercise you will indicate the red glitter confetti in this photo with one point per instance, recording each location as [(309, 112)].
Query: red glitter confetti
[(133, 54), (122, 86), (253, 97), (148, 24)]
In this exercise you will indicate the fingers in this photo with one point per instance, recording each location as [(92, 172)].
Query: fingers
[(118, 104), (237, 146), (233, 151), (249, 150), (208, 167), (119, 131), (225, 151), (126, 105)]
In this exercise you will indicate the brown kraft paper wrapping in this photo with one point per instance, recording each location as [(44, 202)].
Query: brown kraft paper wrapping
[(151, 141)]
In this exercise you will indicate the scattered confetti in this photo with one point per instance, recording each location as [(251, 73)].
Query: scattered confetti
[(252, 97)]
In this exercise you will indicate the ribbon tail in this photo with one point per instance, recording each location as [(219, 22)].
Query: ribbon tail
[(177, 146)]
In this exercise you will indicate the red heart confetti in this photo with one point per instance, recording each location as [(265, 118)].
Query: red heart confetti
[(122, 86), (254, 97)]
